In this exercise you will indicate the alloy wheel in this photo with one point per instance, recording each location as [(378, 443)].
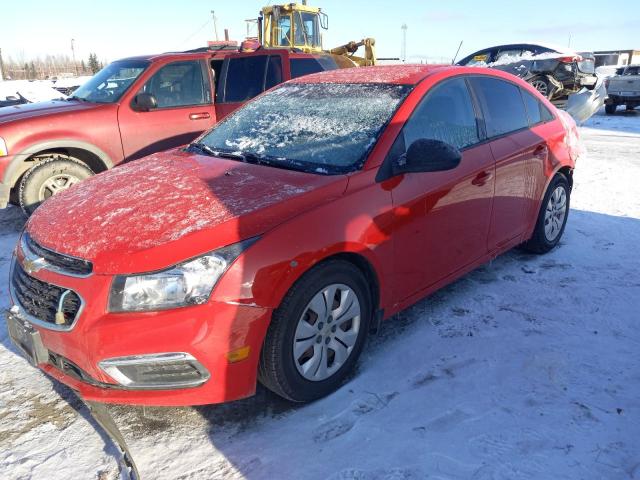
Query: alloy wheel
[(541, 86)]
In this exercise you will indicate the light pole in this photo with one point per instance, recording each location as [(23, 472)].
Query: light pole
[(73, 55), (215, 24)]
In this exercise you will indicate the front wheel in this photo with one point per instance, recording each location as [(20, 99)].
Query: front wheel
[(48, 178), (317, 333), (552, 218)]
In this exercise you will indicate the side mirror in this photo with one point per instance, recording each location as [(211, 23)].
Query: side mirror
[(427, 155), (143, 102)]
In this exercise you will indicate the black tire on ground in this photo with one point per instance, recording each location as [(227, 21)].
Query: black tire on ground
[(33, 189), (277, 370), (539, 243), (610, 109)]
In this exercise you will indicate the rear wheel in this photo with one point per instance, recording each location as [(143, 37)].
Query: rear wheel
[(610, 109), (317, 333), (543, 85), (49, 177), (552, 218)]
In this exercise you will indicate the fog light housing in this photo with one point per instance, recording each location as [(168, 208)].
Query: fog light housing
[(156, 371)]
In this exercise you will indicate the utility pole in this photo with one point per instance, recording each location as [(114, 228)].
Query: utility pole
[(1, 69), (215, 24), (403, 50), (73, 55)]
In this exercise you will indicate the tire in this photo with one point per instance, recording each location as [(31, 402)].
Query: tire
[(279, 370), (610, 109), (38, 183), (548, 231), (543, 85)]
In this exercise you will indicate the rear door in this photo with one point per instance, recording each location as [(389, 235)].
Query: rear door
[(515, 148), (246, 75), (182, 90)]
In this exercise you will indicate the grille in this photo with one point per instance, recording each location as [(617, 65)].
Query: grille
[(41, 300), (75, 266)]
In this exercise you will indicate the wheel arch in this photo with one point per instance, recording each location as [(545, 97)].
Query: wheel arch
[(95, 158)]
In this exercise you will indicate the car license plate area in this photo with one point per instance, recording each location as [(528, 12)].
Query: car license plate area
[(26, 339), (628, 94)]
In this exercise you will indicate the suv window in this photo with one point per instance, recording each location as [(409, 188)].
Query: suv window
[(536, 111), (502, 105), (305, 66), (246, 77), (178, 84), (445, 114)]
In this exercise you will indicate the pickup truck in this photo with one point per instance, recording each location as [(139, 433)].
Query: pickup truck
[(132, 108), (623, 89)]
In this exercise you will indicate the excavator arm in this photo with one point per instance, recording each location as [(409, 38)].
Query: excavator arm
[(349, 49)]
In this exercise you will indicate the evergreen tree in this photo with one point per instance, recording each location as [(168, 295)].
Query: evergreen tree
[(34, 73), (27, 73), (94, 65)]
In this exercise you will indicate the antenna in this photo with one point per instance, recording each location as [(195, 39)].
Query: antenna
[(215, 24), (403, 50), (457, 52)]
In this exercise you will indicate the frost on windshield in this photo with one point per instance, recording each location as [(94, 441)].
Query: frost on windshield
[(325, 127)]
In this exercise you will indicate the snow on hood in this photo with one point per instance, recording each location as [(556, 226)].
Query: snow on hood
[(116, 217)]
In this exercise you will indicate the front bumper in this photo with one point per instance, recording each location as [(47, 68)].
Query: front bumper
[(206, 333)]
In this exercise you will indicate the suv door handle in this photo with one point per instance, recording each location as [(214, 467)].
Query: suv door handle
[(199, 116), (541, 152), (481, 178)]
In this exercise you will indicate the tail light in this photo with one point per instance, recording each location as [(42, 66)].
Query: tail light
[(574, 58)]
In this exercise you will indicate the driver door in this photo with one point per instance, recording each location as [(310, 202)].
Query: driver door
[(442, 218), (184, 110)]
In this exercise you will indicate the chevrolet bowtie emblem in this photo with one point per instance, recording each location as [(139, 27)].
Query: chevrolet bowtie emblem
[(33, 265)]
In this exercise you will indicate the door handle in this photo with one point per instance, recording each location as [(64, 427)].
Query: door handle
[(199, 116), (541, 152), (481, 178)]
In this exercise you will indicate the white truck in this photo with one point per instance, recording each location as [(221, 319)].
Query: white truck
[(623, 89)]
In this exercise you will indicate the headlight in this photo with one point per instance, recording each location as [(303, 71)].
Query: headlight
[(3, 148), (189, 283)]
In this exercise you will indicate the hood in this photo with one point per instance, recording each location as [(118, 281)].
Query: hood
[(169, 207), (41, 109)]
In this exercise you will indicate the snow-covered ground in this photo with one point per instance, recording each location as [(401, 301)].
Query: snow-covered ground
[(527, 368)]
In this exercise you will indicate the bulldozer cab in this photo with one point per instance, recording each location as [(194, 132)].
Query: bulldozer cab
[(292, 25)]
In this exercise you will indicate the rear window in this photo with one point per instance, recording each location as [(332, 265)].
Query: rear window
[(306, 66), (536, 111), (501, 105)]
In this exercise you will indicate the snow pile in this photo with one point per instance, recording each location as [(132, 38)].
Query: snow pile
[(527, 368), (33, 91)]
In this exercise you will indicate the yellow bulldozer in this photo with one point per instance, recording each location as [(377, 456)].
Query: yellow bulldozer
[(297, 26)]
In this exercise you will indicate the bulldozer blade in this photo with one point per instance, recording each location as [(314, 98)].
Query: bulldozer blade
[(100, 413), (583, 104)]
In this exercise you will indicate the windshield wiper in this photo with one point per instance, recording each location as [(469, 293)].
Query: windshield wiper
[(204, 148)]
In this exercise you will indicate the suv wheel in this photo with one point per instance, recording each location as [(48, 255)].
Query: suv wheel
[(552, 218), (317, 333), (49, 177)]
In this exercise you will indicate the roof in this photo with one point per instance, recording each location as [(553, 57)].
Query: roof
[(396, 74)]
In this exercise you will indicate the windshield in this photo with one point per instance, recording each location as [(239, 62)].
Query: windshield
[(324, 128), (110, 83)]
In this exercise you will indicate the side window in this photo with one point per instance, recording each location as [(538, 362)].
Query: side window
[(536, 111), (178, 84), (245, 78), (305, 66), (274, 73), (446, 114), (502, 105)]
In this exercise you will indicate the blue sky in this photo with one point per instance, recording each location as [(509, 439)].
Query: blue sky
[(119, 28)]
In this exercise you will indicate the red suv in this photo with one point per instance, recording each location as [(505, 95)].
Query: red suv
[(269, 248), (130, 109)]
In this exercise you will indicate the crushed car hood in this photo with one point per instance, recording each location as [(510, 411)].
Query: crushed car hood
[(137, 217), (32, 110)]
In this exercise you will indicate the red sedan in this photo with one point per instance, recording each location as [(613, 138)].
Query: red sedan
[(272, 246)]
